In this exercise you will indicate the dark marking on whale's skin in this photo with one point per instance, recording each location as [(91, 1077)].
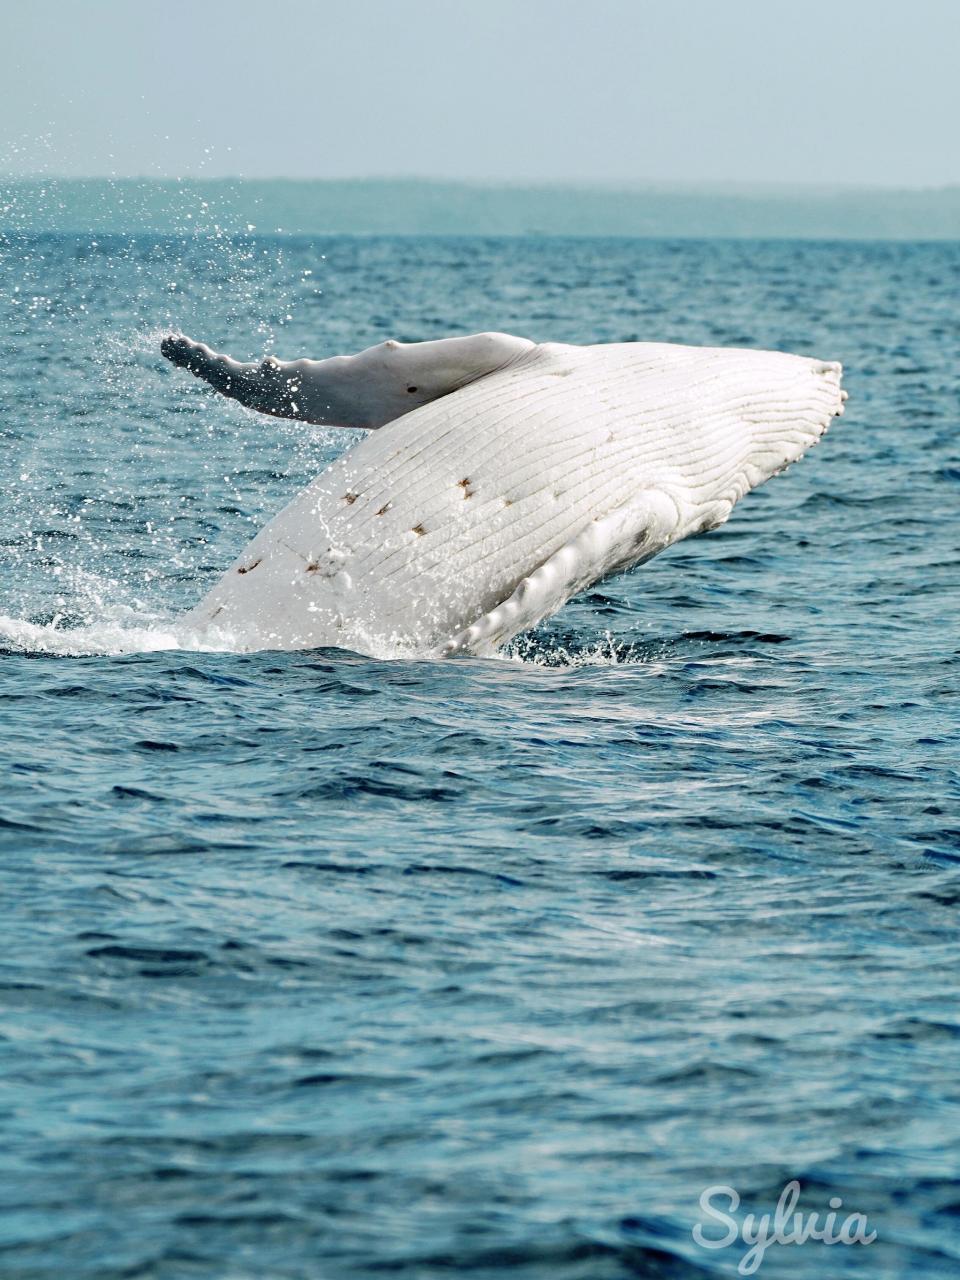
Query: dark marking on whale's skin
[(248, 568)]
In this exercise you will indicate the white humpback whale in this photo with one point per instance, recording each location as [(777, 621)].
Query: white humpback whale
[(504, 477)]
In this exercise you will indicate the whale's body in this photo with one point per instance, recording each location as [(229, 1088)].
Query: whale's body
[(479, 513)]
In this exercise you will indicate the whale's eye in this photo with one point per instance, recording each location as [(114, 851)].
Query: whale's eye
[(411, 389)]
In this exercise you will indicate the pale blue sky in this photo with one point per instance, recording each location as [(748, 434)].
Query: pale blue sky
[(626, 91)]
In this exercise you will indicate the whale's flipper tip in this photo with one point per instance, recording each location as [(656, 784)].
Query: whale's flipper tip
[(175, 348), (186, 354)]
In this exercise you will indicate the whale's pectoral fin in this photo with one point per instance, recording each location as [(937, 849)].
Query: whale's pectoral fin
[(626, 537), (367, 390)]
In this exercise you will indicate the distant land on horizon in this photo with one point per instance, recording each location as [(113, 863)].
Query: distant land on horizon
[(407, 206)]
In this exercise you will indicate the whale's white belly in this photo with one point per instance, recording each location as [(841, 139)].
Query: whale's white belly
[(433, 521)]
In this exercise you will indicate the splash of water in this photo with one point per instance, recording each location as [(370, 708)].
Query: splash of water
[(545, 650), (123, 481)]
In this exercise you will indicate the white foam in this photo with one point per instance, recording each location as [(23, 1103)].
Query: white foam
[(128, 633), (99, 638)]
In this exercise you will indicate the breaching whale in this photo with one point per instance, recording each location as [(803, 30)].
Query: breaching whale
[(505, 477)]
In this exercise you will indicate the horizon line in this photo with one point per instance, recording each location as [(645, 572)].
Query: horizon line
[(731, 186)]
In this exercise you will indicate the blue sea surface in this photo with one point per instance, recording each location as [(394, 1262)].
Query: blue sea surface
[(317, 967)]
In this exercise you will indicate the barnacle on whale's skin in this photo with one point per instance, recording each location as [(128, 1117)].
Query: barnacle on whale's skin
[(507, 477)]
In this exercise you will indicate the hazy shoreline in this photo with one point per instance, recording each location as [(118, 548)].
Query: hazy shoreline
[(422, 207)]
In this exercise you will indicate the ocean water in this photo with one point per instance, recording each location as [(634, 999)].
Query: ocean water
[(322, 967)]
